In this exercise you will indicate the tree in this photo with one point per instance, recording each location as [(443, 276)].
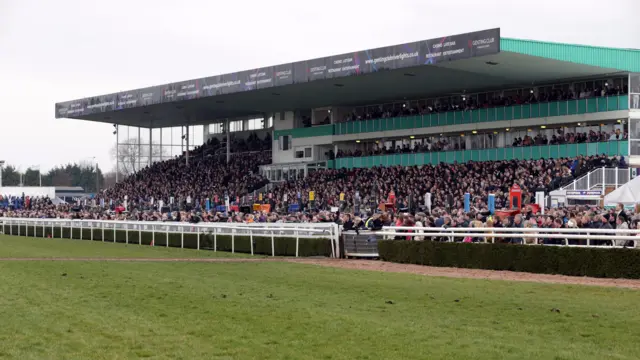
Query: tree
[(132, 156), (31, 177), (61, 178), (10, 176), (85, 175)]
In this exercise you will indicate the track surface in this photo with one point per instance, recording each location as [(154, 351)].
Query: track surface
[(373, 265)]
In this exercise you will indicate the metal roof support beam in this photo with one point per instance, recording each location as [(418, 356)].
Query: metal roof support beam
[(226, 128), (150, 145), (137, 167), (187, 139)]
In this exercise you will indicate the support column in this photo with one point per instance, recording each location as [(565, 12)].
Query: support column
[(226, 127), (161, 149), (139, 152), (150, 146), (117, 153), (187, 138)]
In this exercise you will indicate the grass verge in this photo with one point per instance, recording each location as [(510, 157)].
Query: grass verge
[(272, 310), (24, 247)]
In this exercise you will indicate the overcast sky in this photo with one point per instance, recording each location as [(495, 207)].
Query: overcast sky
[(61, 50)]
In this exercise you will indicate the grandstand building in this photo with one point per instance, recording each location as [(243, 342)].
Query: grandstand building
[(466, 97)]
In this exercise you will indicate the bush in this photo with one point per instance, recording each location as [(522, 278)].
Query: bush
[(594, 262), (283, 246)]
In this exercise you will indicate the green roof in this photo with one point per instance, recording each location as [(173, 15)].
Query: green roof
[(612, 58)]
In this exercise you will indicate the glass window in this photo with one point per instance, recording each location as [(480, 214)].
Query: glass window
[(235, 126), (284, 142), (176, 135), (165, 135), (144, 136), (255, 124)]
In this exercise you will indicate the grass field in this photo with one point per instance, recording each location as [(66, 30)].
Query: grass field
[(274, 310), (22, 247)]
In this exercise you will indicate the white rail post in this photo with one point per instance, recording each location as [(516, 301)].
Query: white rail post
[(11, 227), (273, 246), (91, 227), (181, 237), (215, 239), (616, 171), (81, 227), (114, 232), (153, 235), (167, 239), (198, 246), (126, 234), (71, 230), (43, 230), (139, 235), (18, 228), (251, 239), (102, 224), (297, 242), (233, 241), (53, 230), (35, 233)]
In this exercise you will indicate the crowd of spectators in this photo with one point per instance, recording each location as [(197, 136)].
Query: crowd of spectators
[(578, 217), (575, 217), (349, 190), (442, 144), (447, 183), (214, 147), (207, 175), (570, 138), (466, 103)]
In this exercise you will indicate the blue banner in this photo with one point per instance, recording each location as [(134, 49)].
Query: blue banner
[(208, 205), (491, 202), (467, 202), (294, 208)]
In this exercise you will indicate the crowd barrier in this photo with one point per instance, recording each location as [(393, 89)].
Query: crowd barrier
[(176, 234), (364, 243)]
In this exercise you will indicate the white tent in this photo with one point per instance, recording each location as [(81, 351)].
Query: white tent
[(627, 194)]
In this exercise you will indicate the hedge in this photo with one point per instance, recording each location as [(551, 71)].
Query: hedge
[(283, 246), (593, 262)]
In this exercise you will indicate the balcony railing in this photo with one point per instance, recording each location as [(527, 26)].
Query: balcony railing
[(609, 148)]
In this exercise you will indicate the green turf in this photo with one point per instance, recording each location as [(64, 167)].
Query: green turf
[(114, 310), (23, 247)]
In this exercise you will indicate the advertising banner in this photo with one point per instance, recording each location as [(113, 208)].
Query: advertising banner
[(426, 52)]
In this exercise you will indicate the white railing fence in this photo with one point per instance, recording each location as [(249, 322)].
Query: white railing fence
[(601, 178), (614, 237), (364, 243), (133, 231)]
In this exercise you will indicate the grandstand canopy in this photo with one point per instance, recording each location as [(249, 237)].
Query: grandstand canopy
[(455, 64)]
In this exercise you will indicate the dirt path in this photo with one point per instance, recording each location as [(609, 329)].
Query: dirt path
[(374, 265)]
